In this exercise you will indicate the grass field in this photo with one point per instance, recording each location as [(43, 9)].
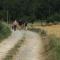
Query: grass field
[(53, 29)]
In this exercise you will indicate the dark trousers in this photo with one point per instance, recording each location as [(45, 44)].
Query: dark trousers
[(14, 27)]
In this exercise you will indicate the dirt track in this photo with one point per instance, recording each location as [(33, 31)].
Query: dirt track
[(30, 50), (10, 42)]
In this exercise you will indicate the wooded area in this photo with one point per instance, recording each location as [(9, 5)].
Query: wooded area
[(30, 10)]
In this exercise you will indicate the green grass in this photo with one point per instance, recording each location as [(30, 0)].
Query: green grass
[(4, 31), (58, 49), (55, 43)]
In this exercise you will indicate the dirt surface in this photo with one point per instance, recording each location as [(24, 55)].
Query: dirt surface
[(10, 42), (30, 50)]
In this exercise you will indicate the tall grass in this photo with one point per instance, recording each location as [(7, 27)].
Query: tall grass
[(4, 31), (57, 46), (54, 43)]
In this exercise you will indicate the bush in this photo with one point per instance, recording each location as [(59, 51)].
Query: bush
[(55, 41), (54, 18), (4, 31)]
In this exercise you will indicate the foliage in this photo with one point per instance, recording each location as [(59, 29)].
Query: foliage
[(36, 9), (54, 18), (4, 31), (56, 44)]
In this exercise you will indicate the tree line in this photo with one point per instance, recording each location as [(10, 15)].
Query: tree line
[(30, 10)]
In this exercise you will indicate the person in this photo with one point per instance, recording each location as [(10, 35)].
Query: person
[(26, 25), (14, 25)]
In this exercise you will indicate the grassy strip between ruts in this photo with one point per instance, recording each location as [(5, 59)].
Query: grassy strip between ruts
[(14, 50)]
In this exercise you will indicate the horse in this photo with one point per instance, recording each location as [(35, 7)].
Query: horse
[(23, 24)]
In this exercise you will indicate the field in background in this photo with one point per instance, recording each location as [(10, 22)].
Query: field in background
[(53, 29)]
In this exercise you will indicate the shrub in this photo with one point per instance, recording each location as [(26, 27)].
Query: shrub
[(4, 31), (55, 41), (54, 18)]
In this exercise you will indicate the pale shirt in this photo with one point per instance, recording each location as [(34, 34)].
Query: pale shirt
[(15, 23)]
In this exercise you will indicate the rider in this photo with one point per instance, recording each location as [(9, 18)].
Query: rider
[(26, 25), (15, 23)]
